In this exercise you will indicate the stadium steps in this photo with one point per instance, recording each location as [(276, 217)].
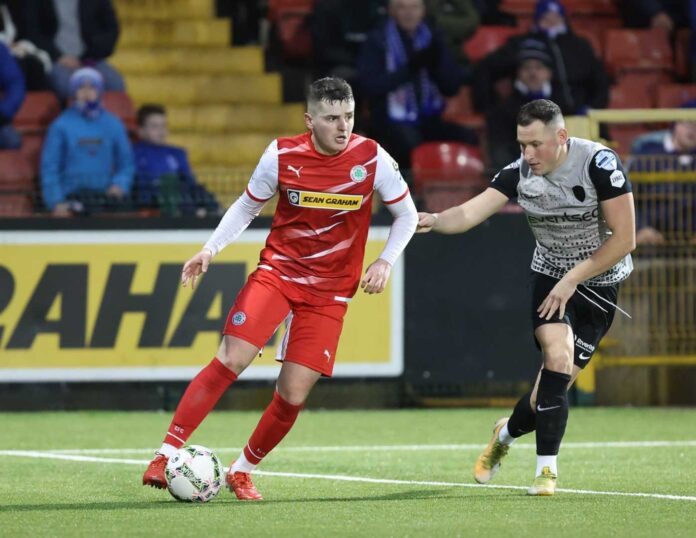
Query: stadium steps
[(236, 118), (167, 61), (205, 89), (164, 9), (141, 35), (223, 149), (228, 182)]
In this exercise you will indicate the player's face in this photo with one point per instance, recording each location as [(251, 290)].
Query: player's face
[(154, 130), (331, 125), (685, 135), (542, 146)]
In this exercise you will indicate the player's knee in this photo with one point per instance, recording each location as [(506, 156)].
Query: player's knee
[(559, 359), (236, 354)]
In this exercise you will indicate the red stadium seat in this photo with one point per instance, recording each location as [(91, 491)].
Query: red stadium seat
[(682, 53), (636, 50), (16, 205), (594, 37), (38, 110), (31, 148), (460, 109), (447, 162), (121, 105), (16, 171), (648, 80), (277, 7), (292, 28), (440, 196), (675, 95), (625, 96), (623, 135), (486, 39)]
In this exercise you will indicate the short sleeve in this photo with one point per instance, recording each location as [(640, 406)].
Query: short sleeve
[(264, 181), (608, 175), (388, 179), (507, 179)]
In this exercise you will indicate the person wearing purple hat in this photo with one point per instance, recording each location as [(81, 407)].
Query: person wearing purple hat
[(87, 162), (577, 72)]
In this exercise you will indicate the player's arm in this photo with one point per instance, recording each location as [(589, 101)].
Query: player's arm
[(616, 203), (394, 191), (261, 188), (463, 217)]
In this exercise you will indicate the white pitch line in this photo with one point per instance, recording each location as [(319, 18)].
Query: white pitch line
[(363, 479), (390, 448)]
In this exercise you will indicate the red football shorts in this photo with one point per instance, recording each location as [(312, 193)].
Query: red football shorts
[(315, 327)]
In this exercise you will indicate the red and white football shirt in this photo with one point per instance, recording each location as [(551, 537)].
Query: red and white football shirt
[(321, 223)]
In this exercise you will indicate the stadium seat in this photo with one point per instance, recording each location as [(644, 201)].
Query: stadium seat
[(460, 109), (277, 7), (486, 39), (594, 37), (121, 105), (16, 205), (649, 80), (16, 171), (38, 110), (682, 53), (294, 35), (623, 135), (447, 162), (638, 50), (635, 96), (31, 148), (675, 95)]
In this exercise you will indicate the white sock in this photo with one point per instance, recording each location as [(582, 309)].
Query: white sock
[(504, 436), (242, 465), (546, 461), (167, 450)]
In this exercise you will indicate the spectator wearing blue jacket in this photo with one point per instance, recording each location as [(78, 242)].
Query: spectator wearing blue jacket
[(87, 162), (12, 91), (406, 69), (665, 209), (163, 176)]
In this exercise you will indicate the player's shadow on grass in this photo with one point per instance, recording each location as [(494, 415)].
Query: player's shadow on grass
[(410, 495), (107, 505)]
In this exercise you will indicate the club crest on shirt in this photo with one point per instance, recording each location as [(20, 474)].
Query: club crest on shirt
[(606, 160), (238, 318), (358, 173), (325, 200)]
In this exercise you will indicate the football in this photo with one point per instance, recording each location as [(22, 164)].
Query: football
[(194, 474)]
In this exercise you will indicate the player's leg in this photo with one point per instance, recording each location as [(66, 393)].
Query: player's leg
[(294, 385), (556, 340), (312, 341), (258, 310)]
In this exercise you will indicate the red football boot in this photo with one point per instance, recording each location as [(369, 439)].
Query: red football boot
[(241, 485), (154, 476)]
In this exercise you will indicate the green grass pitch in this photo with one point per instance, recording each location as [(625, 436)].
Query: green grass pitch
[(405, 473)]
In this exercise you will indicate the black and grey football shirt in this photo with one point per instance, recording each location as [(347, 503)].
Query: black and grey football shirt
[(563, 208)]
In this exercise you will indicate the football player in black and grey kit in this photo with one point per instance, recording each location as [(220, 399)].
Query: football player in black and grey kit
[(579, 205)]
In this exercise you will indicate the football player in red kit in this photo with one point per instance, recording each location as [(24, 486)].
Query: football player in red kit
[(308, 270)]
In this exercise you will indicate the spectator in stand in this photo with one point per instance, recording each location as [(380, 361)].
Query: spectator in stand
[(534, 81), (665, 209), (87, 162), (11, 96), (458, 20), (405, 69), (339, 30), (664, 14), (33, 62), (75, 33), (578, 73), (163, 177)]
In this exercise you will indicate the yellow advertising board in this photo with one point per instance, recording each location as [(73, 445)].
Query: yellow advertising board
[(109, 305)]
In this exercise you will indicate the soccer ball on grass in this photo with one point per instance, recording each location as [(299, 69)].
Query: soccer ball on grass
[(194, 473)]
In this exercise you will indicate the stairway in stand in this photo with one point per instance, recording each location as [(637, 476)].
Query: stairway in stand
[(222, 107)]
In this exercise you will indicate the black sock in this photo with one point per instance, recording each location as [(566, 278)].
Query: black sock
[(551, 412), (523, 418)]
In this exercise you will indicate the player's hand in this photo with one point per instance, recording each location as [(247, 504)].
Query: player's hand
[(195, 267), (376, 276), (557, 299), (649, 236), (426, 221)]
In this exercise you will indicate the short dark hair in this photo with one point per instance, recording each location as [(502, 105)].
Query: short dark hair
[(148, 110), (542, 110), (329, 89)]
